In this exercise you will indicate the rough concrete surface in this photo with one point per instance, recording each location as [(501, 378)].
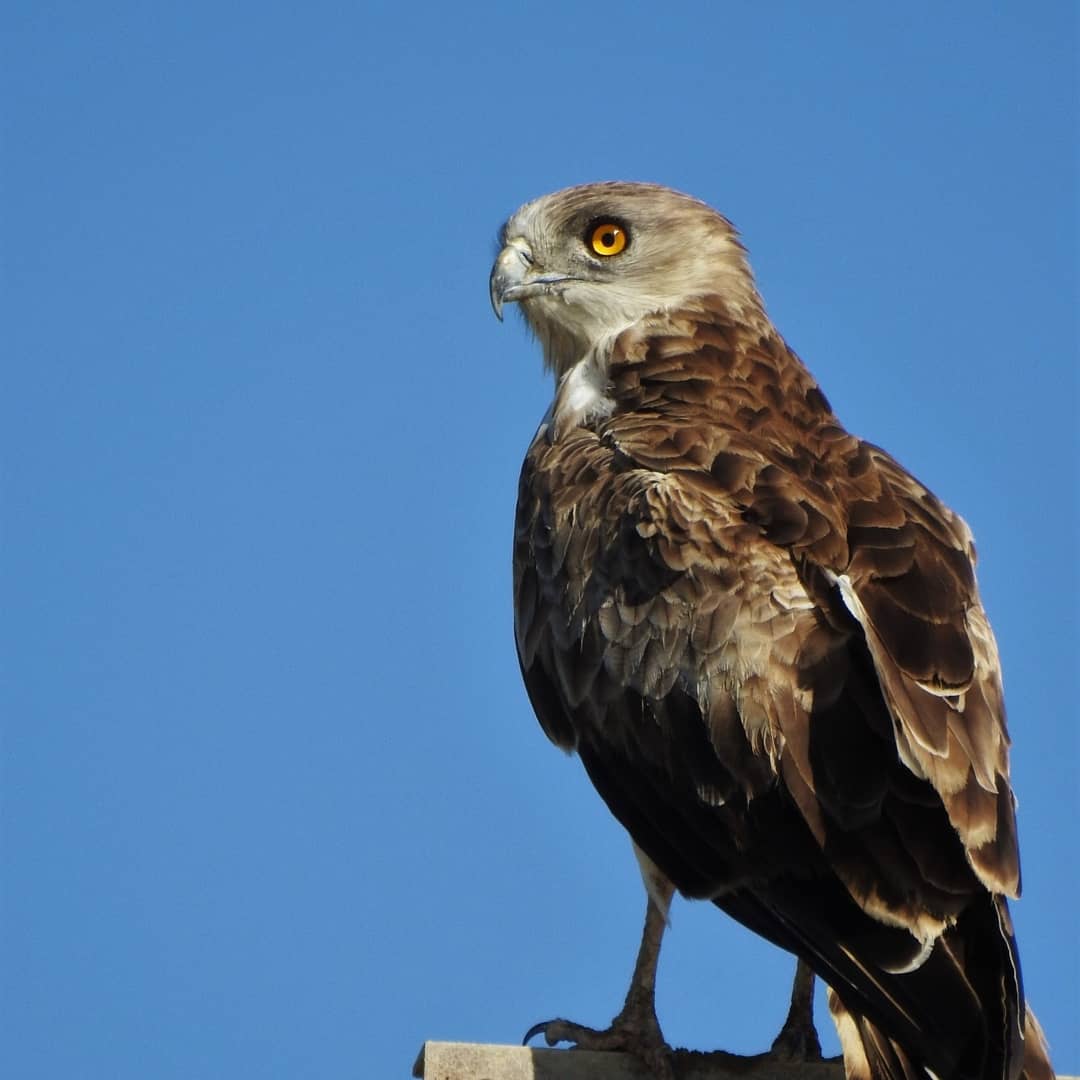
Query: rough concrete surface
[(475, 1061), (483, 1061)]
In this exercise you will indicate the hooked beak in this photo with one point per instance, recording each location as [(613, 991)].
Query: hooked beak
[(514, 277)]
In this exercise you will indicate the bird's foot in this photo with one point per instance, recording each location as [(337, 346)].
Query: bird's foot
[(633, 1031), (797, 1041)]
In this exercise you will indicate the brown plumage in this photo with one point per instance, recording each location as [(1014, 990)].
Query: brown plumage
[(762, 636)]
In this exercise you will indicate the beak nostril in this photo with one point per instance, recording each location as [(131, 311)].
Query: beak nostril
[(515, 276)]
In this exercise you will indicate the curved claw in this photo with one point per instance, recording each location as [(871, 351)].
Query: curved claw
[(643, 1040), (535, 1030)]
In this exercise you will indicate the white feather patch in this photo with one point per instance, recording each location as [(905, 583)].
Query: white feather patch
[(917, 961), (656, 884), (582, 395), (848, 595)]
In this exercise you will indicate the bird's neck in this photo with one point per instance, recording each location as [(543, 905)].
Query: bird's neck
[(706, 363)]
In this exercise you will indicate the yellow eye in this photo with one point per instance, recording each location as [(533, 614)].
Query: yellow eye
[(607, 238)]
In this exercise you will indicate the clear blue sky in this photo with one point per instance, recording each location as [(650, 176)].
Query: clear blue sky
[(273, 800)]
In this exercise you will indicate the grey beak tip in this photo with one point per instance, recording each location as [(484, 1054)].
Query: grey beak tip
[(508, 276), (495, 296)]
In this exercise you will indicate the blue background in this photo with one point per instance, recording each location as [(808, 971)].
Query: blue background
[(273, 801)]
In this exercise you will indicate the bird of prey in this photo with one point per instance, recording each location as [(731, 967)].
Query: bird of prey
[(763, 639)]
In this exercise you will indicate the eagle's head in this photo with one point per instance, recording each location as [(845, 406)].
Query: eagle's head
[(587, 262)]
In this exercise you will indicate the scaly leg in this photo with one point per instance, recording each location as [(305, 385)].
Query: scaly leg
[(635, 1029), (798, 1039)]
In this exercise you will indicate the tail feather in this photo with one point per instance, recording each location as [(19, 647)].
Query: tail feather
[(869, 1054), (958, 1015), (1036, 1051)]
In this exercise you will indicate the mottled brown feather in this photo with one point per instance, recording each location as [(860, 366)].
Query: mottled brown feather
[(765, 641)]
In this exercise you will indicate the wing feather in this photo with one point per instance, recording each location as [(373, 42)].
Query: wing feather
[(765, 641)]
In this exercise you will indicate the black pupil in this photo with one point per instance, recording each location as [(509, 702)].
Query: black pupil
[(608, 238)]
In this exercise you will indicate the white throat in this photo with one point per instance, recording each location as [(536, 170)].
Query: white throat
[(582, 394)]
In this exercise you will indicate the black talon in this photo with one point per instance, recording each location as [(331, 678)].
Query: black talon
[(535, 1030)]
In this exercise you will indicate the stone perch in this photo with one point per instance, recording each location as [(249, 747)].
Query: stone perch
[(479, 1061), (482, 1061)]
